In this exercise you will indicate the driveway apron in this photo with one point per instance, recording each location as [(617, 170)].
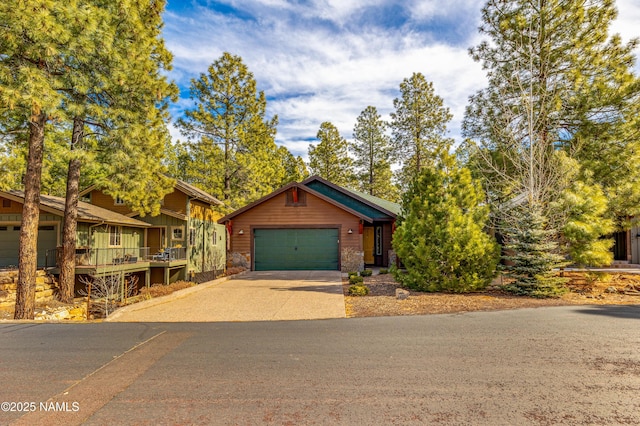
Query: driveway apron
[(252, 296)]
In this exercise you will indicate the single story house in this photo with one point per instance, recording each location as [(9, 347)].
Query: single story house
[(313, 224)]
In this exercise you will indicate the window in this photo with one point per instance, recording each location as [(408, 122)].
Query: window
[(192, 236), (118, 201), (177, 233), (115, 236), (6, 203), (4, 228)]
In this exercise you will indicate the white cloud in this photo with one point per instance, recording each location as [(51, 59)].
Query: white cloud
[(317, 62)]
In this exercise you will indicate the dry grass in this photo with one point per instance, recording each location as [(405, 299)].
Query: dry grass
[(585, 289)]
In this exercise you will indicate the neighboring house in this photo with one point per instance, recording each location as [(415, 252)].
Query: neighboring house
[(314, 224), (185, 239), (107, 242)]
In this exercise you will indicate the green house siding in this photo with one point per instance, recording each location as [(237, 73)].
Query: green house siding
[(207, 251), (82, 235), (348, 201), (132, 238)]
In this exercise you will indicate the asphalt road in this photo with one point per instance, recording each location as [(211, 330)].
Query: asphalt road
[(569, 365)]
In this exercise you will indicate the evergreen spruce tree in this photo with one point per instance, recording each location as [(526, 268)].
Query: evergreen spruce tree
[(441, 238), (532, 254), (330, 159)]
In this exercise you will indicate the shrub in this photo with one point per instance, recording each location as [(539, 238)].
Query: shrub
[(383, 271), (441, 239), (354, 280), (358, 290), (352, 274), (366, 273)]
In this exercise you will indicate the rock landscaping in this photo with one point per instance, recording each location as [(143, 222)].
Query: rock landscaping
[(387, 298)]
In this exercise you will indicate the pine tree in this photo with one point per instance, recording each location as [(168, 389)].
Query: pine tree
[(419, 126), (123, 102), (330, 159), (295, 170), (556, 81), (586, 209), (35, 37), (231, 140), (372, 151), (441, 238)]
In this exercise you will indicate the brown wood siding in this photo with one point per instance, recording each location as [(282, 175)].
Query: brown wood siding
[(100, 199), (176, 202), (274, 212), (13, 208)]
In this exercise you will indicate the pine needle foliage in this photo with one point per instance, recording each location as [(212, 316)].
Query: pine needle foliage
[(532, 255), (441, 239)]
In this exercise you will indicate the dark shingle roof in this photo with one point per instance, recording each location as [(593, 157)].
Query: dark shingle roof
[(197, 193)]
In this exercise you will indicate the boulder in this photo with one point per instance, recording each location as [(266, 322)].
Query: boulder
[(401, 294)]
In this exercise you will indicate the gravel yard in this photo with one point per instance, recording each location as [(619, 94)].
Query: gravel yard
[(586, 289)]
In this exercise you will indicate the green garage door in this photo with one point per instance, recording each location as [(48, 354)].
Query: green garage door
[(10, 243), (295, 249)]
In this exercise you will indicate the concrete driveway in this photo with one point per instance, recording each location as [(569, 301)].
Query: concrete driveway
[(252, 296)]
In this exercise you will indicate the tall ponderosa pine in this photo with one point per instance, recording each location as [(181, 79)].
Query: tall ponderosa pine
[(123, 103), (556, 81), (235, 157), (34, 38), (372, 152), (295, 170), (441, 238), (330, 159), (419, 126)]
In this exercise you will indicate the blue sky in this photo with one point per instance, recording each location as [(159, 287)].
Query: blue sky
[(327, 60)]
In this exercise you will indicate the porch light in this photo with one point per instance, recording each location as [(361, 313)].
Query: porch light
[(350, 231), (241, 232)]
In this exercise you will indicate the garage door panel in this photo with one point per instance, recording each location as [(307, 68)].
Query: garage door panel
[(296, 249), (10, 242)]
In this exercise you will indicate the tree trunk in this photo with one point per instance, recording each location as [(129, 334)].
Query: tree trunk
[(68, 264), (28, 254)]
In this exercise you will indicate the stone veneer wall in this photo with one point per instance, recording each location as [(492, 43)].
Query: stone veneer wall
[(46, 287), (352, 260)]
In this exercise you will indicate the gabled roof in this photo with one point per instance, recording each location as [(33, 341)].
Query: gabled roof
[(197, 193), (181, 186), (366, 207), (86, 212), (304, 188), (355, 199)]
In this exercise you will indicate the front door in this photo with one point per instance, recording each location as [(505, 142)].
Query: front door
[(155, 239), (368, 245)]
